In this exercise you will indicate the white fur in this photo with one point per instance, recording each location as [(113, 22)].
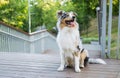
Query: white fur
[(77, 62), (96, 61), (66, 39)]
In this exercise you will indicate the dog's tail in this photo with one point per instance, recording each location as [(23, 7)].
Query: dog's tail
[(93, 61), (96, 61)]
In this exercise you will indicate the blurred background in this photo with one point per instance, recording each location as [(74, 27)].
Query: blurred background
[(34, 15)]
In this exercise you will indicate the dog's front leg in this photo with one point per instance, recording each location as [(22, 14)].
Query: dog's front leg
[(61, 68), (77, 62)]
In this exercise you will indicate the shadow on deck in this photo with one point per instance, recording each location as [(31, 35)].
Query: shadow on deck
[(22, 65)]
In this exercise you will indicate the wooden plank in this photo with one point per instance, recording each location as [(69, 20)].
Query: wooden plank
[(5, 77), (16, 74), (31, 66), (108, 68), (118, 76), (67, 73), (112, 61)]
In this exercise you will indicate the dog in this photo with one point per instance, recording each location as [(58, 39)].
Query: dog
[(68, 40), (69, 43)]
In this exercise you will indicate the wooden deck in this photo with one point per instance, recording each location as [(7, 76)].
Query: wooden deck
[(22, 65)]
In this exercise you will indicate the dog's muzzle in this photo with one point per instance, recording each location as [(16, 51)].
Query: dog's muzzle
[(71, 22)]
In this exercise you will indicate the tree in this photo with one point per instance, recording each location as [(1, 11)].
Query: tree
[(15, 13)]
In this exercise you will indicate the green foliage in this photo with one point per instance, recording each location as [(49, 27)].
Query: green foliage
[(115, 7), (88, 40), (49, 14), (36, 17), (83, 18), (15, 12)]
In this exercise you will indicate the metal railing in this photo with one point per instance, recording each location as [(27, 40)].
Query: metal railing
[(106, 39), (12, 40)]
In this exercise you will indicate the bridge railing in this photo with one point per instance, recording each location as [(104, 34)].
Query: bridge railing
[(13, 40)]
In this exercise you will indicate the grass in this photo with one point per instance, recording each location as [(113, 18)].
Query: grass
[(88, 40), (114, 37), (93, 35)]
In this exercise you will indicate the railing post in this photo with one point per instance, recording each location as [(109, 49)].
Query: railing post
[(32, 47), (118, 40), (29, 17), (99, 16), (98, 21), (103, 39), (109, 27), (43, 44)]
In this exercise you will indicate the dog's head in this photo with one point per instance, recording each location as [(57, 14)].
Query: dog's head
[(67, 18)]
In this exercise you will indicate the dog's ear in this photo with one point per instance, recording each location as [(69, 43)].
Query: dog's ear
[(75, 13), (59, 13)]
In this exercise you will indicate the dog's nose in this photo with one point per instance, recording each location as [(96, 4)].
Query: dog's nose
[(73, 17)]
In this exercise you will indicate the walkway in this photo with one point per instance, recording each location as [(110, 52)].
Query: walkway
[(23, 65)]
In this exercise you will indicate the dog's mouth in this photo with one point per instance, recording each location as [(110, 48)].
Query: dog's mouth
[(70, 22)]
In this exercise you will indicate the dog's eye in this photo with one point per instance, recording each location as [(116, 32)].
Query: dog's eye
[(65, 15)]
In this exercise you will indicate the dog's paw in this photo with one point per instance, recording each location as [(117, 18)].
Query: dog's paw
[(82, 66), (77, 70), (60, 69)]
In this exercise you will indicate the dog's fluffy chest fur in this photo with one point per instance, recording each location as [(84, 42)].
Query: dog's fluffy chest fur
[(67, 39)]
